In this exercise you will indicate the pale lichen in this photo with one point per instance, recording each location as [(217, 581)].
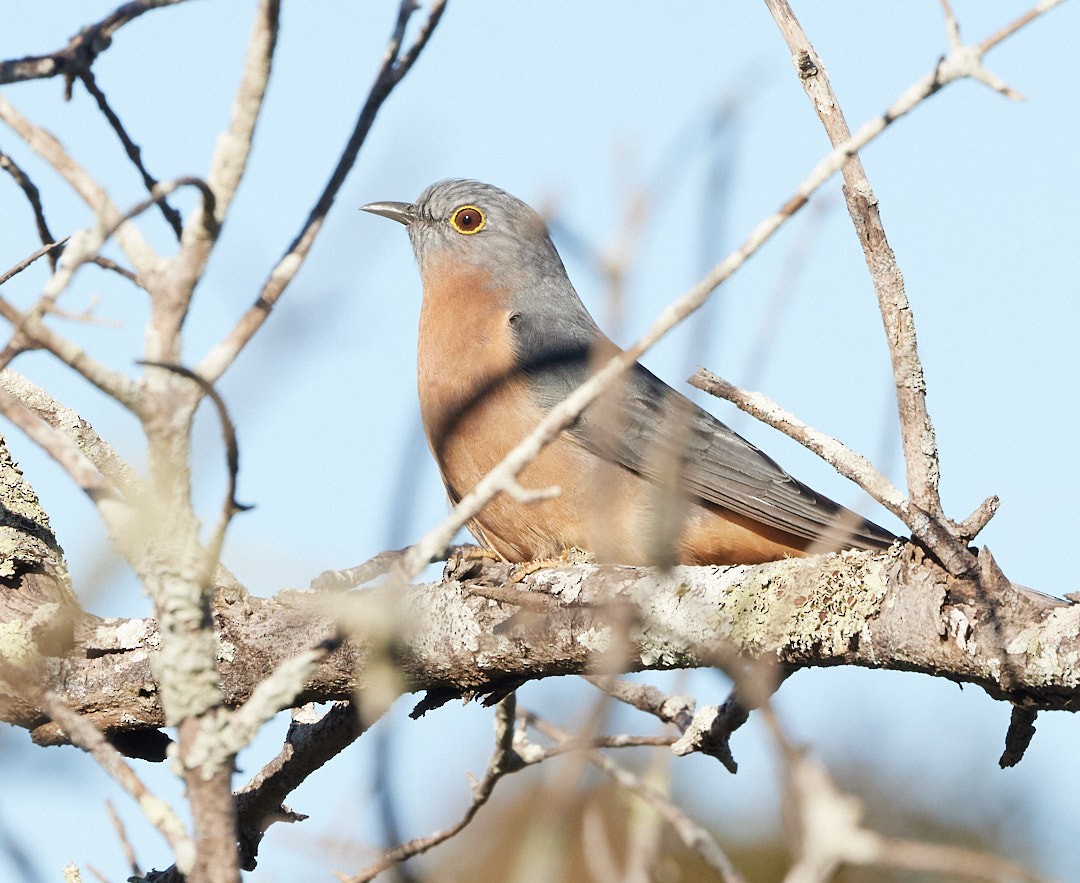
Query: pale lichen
[(849, 592)]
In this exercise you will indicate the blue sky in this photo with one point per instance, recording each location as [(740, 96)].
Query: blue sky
[(574, 108)]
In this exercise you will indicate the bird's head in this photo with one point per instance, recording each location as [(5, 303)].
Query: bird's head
[(480, 225)]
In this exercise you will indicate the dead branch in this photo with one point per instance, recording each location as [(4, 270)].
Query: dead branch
[(134, 152), (157, 811), (693, 835), (871, 610), (395, 66), (82, 50)]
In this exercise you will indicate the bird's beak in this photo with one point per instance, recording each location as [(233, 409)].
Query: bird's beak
[(402, 212)]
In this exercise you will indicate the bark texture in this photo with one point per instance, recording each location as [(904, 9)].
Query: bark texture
[(890, 610)]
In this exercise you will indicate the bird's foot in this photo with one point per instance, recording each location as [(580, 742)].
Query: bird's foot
[(566, 558), (467, 562)]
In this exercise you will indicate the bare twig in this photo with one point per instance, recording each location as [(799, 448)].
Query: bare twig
[(513, 752), (827, 830), (85, 316), (971, 526), (309, 744), (121, 835), (134, 152), (374, 567), (848, 463), (591, 743), (1018, 736), (33, 196), (112, 383), (917, 430), (100, 453), (694, 836), (85, 245), (920, 443), (226, 170), (110, 264), (394, 68), (677, 710), (953, 862), (46, 249), (82, 49), (131, 240), (504, 760), (952, 26), (829, 833), (64, 451), (1012, 27), (84, 734)]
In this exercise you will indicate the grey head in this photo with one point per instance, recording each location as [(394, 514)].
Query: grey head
[(480, 225)]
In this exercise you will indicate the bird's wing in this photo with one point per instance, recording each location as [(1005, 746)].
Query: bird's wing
[(717, 465), (655, 428)]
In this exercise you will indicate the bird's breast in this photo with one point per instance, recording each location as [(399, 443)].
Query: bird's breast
[(477, 404)]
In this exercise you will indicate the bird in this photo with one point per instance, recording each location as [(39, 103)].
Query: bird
[(644, 475)]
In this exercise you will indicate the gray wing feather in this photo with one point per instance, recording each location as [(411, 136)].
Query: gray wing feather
[(720, 466)]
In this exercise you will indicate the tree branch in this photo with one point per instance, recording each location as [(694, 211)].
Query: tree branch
[(917, 430), (880, 610), (394, 68), (157, 811), (82, 50), (43, 143)]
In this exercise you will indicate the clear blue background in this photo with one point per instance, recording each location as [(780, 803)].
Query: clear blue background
[(576, 108)]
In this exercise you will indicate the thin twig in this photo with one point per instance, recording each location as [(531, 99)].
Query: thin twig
[(46, 249), (677, 710), (917, 430), (102, 456), (82, 247), (847, 462), (134, 152), (503, 761), (110, 264), (87, 736), (952, 862), (952, 26), (121, 835), (513, 752), (694, 836), (113, 383), (393, 69), (135, 246), (81, 50), (86, 315), (61, 448), (971, 526), (1038, 9), (308, 745), (227, 166), (33, 196)]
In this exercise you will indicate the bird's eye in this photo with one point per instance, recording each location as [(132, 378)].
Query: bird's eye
[(468, 219)]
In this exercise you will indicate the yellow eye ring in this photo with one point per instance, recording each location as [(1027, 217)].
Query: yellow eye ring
[(468, 219)]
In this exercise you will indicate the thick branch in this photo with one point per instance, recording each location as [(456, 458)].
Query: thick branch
[(856, 608)]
